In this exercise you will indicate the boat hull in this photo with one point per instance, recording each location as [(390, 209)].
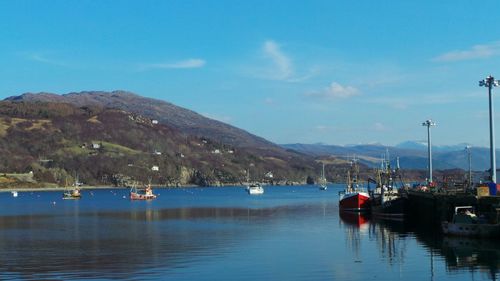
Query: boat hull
[(138, 196), (355, 201), (391, 209), (255, 190), (470, 229)]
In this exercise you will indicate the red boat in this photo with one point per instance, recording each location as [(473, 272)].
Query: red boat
[(354, 198), (146, 194), (354, 201)]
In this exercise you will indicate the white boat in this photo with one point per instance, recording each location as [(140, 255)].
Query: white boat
[(14, 193), (466, 223), (255, 189), (322, 180)]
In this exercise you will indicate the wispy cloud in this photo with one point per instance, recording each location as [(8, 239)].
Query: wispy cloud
[(280, 66), (475, 52), (379, 127), (334, 91), (183, 64), (44, 59), (269, 101), (282, 63), (322, 128)]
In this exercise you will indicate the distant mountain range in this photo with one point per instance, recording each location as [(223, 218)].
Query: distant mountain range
[(412, 154)]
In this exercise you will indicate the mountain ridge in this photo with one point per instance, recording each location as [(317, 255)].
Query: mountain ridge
[(184, 119)]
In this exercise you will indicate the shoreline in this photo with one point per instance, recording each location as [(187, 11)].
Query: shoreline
[(91, 187)]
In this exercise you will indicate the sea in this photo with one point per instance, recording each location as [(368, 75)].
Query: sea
[(223, 233)]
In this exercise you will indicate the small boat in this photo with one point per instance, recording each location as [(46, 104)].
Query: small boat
[(72, 194), (322, 180), (142, 194), (354, 197), (14, 193), (255, 189), (466, 223)]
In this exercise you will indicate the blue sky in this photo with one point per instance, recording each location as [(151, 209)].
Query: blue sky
[(337, 72)]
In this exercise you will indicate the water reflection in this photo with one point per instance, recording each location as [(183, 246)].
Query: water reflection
[(478, 257), (355, 225), (142, 241), (391, 239)]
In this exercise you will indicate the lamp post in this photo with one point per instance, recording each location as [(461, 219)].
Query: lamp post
[(469, 154), (490, 82), (428, 124)]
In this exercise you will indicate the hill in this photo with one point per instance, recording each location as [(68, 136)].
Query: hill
[(95, 137), (185, 120)]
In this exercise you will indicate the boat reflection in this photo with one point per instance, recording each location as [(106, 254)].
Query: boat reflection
[(357, 219), (477, 256), (392, 238), (474, 255), (356, 225)]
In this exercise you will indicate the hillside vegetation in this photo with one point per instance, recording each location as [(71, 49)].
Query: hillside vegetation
[(59, 141)]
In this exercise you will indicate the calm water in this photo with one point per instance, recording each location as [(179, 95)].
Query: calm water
[(289, 233)]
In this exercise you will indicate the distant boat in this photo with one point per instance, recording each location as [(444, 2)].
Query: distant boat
[(354, 197), (142, 194), (466, 223), (322, 180), (72, 194), (14, 193), (255, 189)]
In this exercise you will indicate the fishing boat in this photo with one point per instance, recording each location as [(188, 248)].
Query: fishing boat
[(387, 200), (72, 194), (145, 193), (465, 222), (322, 180), (354, 197)]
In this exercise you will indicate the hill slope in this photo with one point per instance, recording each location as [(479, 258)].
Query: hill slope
[(103, 145), (184, 120)]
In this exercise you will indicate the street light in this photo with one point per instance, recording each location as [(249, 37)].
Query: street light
[(429, 123), (469, 154), (490, 82)]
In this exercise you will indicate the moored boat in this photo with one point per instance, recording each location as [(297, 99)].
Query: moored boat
[(466, 223), (354, 197), (72, 194), (255, 189), (322, 180), (388, 201), (142, 194)]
